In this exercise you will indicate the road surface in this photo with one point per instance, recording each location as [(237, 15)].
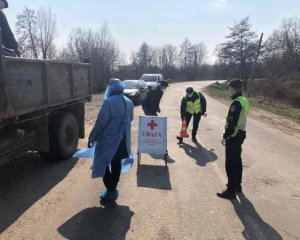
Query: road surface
[(59, 200)]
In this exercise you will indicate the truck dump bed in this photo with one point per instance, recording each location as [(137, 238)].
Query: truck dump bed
[(28, 85)]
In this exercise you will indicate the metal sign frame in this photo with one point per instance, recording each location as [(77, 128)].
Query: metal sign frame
[(149, 146)]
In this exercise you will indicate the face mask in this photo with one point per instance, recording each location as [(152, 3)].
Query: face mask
[(189, 95)]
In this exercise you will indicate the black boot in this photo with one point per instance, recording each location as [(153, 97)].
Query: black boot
[(239, 188), (180, 139), (194, 139), (227, 194)]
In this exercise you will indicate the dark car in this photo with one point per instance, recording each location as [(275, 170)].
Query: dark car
[(136, 90)]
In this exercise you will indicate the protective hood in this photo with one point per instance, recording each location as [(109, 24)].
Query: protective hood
[(6, 3), (113, 85)]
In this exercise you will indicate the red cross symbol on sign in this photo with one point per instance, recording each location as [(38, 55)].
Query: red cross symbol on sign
[(152, 124)]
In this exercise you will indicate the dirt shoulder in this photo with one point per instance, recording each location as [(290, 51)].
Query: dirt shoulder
[(279, 122)]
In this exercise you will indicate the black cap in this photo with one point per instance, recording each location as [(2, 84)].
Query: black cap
[(5, 2), (236, 84), (164, 83), (189, 90)]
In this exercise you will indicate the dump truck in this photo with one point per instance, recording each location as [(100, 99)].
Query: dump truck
[(42, 106)]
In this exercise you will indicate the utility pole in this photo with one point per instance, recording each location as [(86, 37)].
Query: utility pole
[(254, 65)]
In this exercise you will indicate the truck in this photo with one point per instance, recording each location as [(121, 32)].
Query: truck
[(42, 106)]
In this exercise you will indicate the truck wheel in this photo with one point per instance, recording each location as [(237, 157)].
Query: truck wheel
[(64, 135)]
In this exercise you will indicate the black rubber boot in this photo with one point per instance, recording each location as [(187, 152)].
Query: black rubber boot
[(180, 139), (239, 189), (227, 194)]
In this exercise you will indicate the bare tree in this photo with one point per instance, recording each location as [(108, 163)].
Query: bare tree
[(134, 63), (199, 53), (220, 67), (106, 53), (145, 59), (185, 57), (36, 32), (46, 25), (167, 60), (80, 44), (27, 33), (284, 48), (98, 47), (191, 57), (290, 36)]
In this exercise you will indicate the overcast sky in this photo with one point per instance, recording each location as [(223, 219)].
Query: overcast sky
[(158, 22)]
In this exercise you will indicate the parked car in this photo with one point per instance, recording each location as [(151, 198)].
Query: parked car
[(152, 79), (136, 90)]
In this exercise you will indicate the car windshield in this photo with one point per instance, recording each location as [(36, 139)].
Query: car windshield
[(131, 84), (149, 78)]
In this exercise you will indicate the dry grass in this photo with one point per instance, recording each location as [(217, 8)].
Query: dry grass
[(267, 104), (286, 90)]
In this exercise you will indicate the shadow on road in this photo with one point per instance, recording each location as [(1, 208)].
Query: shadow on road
[(98, 223), (161, 156), (24, 181), (255, 227), (150, 176), (199, 153)]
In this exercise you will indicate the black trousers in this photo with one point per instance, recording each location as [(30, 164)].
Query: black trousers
[(112, 175), (196, 120), (233, 162), (148, 112)]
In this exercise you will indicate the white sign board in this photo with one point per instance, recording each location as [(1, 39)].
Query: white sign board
[(152, 135)]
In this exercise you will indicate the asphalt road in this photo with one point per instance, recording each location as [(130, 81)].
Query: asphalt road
[(59, 200)]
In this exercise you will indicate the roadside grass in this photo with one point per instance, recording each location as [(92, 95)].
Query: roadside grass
[(218, 92), (259, 102)]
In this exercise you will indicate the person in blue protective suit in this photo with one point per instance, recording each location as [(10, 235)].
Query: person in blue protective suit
[(111, 134)]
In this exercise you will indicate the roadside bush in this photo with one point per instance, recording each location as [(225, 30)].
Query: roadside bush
[(286, 89), (293, 96)]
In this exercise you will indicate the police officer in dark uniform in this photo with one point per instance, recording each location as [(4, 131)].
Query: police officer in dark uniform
[(8, 39), (233, 138), (151, 102), (193, 104)]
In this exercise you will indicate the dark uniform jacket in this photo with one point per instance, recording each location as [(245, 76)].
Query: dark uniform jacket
[(193, 99), (152, 99), (8, 39), (233, 116)]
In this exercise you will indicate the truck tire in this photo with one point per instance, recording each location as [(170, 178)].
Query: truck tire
[(64, 135)]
